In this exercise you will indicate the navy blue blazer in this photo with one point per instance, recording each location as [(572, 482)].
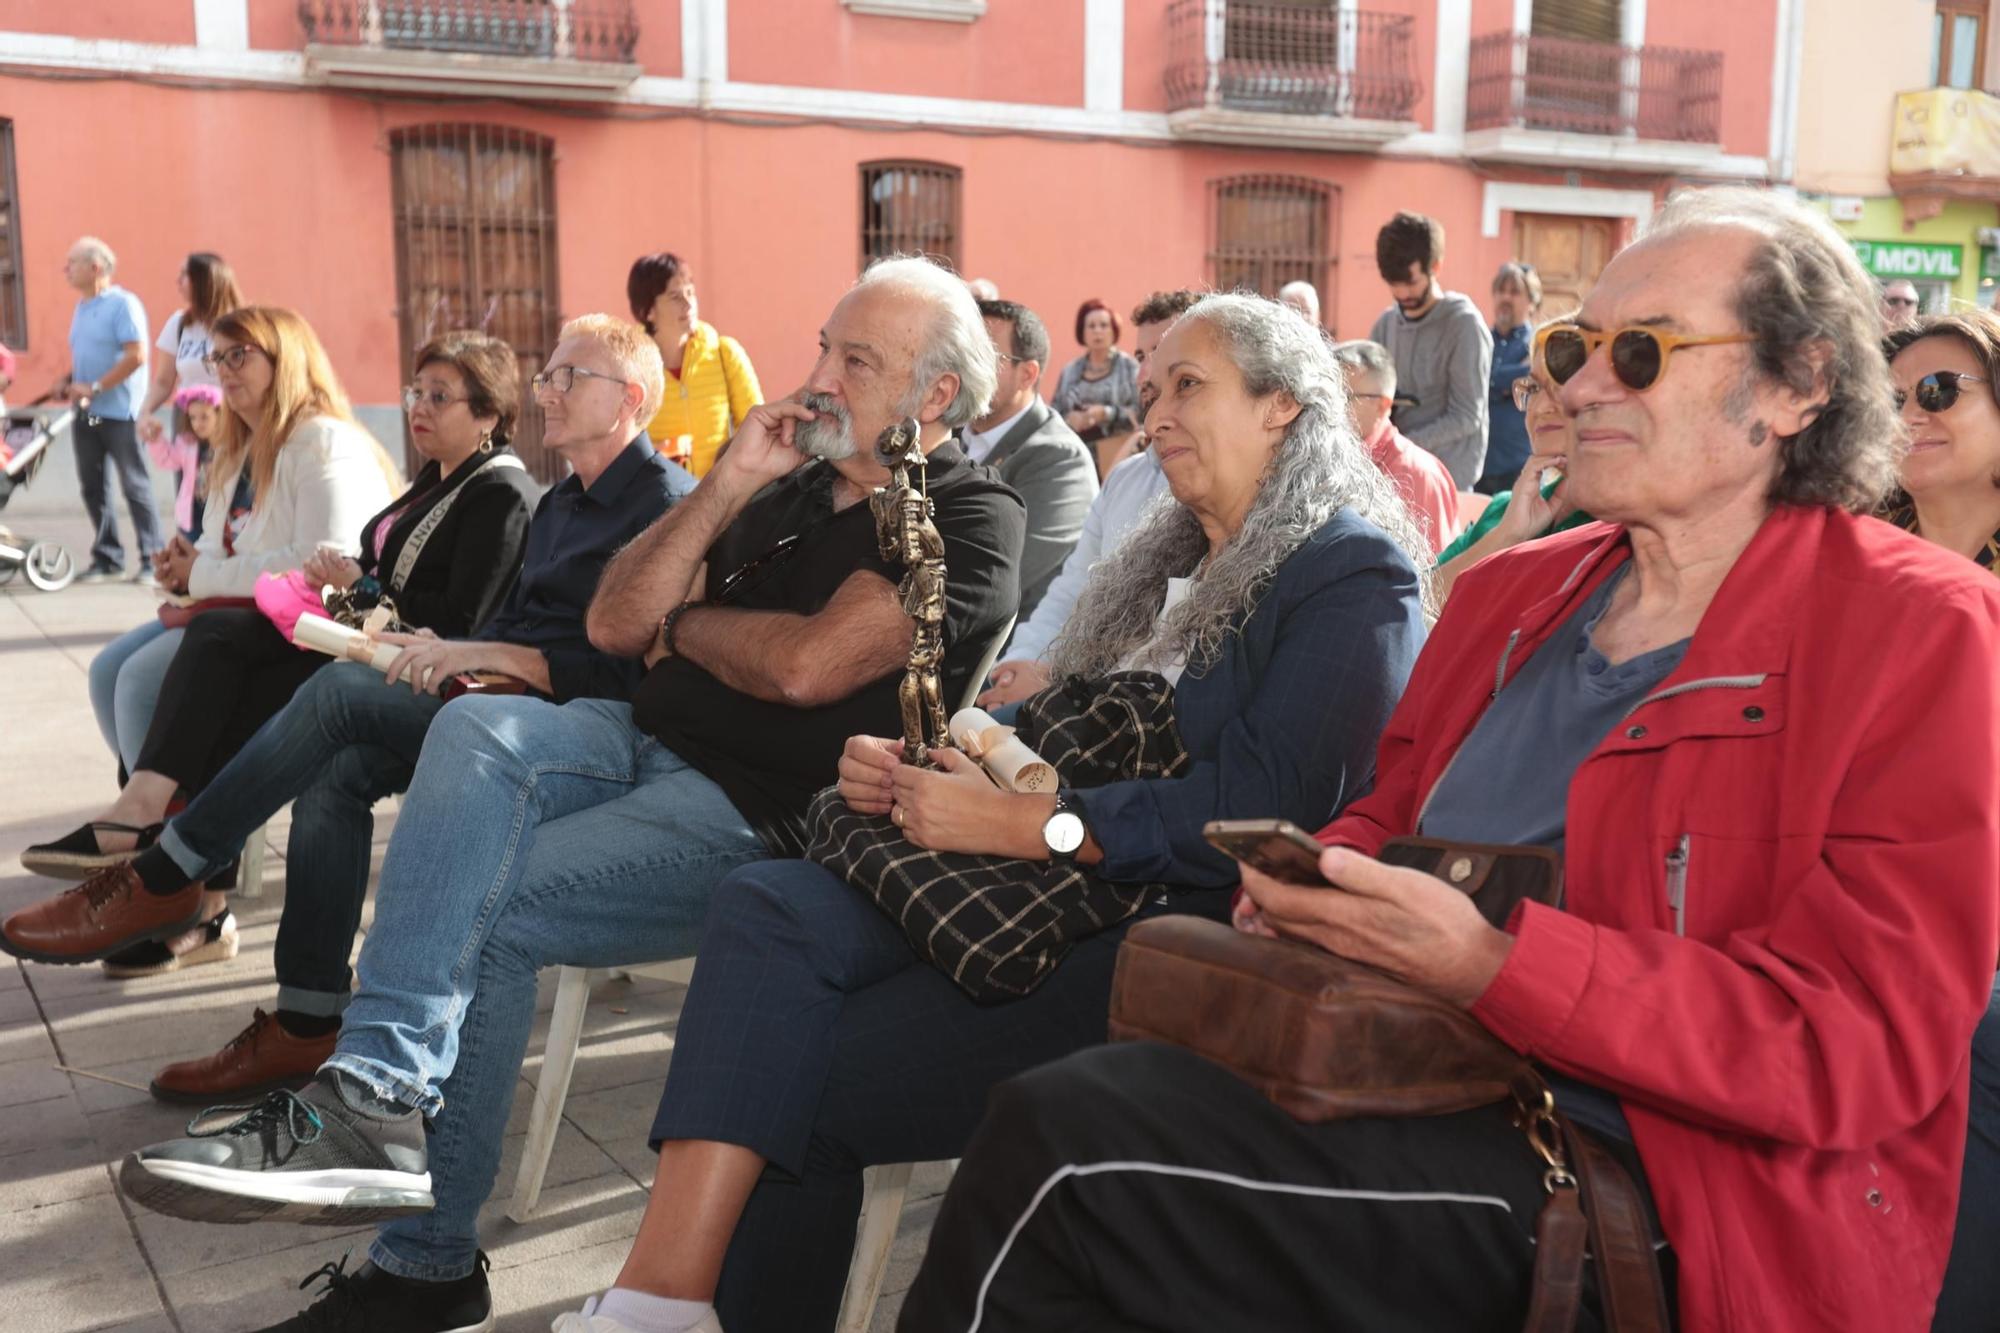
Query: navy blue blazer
[(1285, 722)]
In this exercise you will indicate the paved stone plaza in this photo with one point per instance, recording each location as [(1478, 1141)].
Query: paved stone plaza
[(76, 1051)]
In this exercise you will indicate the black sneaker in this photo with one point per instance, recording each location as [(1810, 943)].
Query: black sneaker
[(369, 1300), (332, 1155)]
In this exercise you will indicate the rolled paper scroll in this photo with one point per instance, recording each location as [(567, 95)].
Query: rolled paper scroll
[(1004, 756), (337, 640)]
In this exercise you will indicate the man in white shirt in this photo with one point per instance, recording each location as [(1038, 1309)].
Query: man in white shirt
[(1032, 448), (1128, 493)]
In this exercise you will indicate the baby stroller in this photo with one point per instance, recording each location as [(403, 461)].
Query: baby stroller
[(25, 438)]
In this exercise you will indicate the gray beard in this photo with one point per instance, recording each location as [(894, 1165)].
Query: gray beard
[(829, 435)]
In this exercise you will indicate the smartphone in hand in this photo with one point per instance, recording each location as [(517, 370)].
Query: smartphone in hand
[(1278, 847)]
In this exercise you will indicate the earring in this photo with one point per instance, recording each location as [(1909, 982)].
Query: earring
[(486, 443)]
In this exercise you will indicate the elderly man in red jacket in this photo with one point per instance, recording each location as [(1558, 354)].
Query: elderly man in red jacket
[(1764, 732)]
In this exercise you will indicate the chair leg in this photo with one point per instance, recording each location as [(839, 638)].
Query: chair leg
[(250, 864), (551, 1089), (881, 1210)]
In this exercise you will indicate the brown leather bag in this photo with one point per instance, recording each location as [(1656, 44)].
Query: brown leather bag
[(1326, 1038)]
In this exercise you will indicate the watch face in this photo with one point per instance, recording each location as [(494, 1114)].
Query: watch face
[(1063, 833)]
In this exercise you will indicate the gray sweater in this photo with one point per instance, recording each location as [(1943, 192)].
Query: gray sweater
[(1443, 361)]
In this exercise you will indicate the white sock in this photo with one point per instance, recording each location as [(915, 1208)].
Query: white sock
[(651, 1314)]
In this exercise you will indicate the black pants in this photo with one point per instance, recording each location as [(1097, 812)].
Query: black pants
[(231, 674), (1138, 1186), (106, 447), (814, 1036)]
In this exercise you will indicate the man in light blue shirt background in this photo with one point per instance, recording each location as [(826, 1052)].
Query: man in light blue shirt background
[(107, 350)]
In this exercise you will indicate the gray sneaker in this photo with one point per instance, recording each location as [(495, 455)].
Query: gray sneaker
[(333, 1155), (144, 578), (101, 574)]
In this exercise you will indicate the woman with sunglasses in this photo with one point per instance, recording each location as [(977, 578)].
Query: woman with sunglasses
[(1537, 504), (1946, 369)]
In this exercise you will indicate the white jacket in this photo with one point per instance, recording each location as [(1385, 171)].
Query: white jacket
[(326, 485)]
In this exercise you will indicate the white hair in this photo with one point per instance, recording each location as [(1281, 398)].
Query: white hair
[(1317, 469), (1304, 291), (1372, 359), (957, 342), (97, 252)]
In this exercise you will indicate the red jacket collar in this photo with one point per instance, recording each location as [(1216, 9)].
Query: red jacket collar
[(1747, 629)]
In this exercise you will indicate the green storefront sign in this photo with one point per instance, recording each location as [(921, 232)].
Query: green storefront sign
[(1911, 259)]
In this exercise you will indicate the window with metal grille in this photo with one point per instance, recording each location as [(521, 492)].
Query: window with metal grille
[(475, 215), (1590, 20), (13, 299), (1266, 231), (909, 208)]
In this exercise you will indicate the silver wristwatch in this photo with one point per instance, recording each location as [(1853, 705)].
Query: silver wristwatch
[(1063, 832)]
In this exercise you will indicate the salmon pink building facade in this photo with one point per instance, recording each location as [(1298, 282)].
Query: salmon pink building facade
[(395, 167)]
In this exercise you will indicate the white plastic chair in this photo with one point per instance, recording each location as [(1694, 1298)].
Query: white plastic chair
[(250, 864), (882, 1201)]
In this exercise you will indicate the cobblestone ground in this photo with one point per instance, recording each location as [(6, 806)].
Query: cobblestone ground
[(77, 1048)]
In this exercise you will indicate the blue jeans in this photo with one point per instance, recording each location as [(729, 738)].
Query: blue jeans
[(1971, 1292), (109, 446), (533, 835), (347, 739), (125, 681), (816, 1037)]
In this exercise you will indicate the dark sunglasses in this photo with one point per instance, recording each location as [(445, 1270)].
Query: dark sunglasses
[(1937, 391), (1638, 354)]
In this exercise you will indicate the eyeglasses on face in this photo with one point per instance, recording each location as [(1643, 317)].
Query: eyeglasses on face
[(1525, 389), (437, 399), (232, 357), (1937, 391), (563, 378), (1639, 354)]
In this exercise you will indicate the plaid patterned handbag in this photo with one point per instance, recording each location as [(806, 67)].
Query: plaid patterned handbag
[(998, 925)]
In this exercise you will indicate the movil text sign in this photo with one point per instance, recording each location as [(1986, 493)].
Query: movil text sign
[(1911, 259)]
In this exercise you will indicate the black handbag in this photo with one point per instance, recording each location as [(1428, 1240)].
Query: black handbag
[(998, 925)]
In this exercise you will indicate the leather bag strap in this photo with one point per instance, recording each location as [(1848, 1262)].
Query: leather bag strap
[(1628, 1269), (1560, 1236)]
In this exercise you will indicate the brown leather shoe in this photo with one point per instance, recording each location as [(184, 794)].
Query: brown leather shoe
[(261, 1058), (107, 912)]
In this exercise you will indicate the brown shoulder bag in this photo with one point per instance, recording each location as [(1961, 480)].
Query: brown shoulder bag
[(1328, 1039)]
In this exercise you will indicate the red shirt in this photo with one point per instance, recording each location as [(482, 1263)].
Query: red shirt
[(1423, 480), (1823, 769)]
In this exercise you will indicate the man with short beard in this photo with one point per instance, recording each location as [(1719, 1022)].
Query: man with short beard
[(593, 833)]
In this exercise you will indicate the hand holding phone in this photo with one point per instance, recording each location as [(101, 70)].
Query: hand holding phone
[(1277, 847)]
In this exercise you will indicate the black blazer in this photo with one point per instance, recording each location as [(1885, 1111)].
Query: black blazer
[(471, 560)]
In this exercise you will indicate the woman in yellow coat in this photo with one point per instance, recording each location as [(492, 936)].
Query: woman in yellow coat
[(711, 386)]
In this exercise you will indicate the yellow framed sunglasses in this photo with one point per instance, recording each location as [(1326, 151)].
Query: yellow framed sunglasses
[(1638, 354)]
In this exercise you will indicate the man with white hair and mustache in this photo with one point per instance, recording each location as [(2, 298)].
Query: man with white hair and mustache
[(593, 833)]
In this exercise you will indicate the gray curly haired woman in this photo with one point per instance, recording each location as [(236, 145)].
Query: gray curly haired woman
[(1317, 468)]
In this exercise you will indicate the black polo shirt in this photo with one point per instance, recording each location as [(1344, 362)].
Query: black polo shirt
[(769, 757), (573, 535)]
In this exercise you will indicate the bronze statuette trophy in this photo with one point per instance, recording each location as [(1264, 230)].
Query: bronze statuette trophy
[(905, 533)]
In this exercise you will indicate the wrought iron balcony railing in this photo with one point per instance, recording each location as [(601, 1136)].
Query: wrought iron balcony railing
[(1290, 59), (584, 30), (1583, 87)]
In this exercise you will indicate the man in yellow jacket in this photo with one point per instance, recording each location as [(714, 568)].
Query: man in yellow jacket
[(711, 385)]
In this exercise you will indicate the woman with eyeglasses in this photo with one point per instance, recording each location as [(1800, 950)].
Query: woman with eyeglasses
[(1946, 370), (177, 696), (1536, 505)]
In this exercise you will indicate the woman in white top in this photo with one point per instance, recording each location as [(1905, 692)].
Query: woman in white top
[(208, 290), (317, 477)]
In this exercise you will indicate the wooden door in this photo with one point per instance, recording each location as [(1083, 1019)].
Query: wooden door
[(1567, 252)]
